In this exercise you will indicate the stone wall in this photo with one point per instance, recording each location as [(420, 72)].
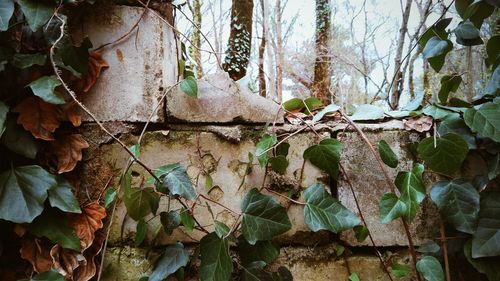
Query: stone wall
[(214, 134)]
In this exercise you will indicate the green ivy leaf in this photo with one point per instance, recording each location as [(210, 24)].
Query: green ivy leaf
[(311, 104), (391, 208), (458, 203), (282, 149), (173, 259), (138, 202), (328, 109), (279, 164), (361, 232), (140, 232), (265, 251), (170, 220), (263, 217), (444, 154), (493, 86), (109, 197), (354, 277), (484, 121), (467, 34), (176, 180), (293, 104), (412, 190), (488, 266), (322, 211), (255, 272), (449, 83), (367, 112), (44, 88), (19, 140), (4, 109), (429, 247), (37, 13), (23, 191), (190, 86), (263, 147), (493, 51), (73, 58), (46, 276), (387, 155), (216, 263), (430, 268), (221, 229), (435, 51), (61, 196), (54, 225), (6, 12), (399, 270), (455, 124), (486, 239), (326, 156), (187, 220), (494, 166), (438, 113), (27, 60)]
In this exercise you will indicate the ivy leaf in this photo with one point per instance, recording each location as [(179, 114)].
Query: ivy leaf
[(430, 268), (486, 239), (438, 113), (493, 51), (391, 208), (361, 232), (415, 103), (254, 271), (387, 155), (19, 140), (216, 263), (23, 191), (322, 211), (367, 112), (109, 197), (54, 225), (311, 104), (170, 221), (263, 217), (326, 156), (263, 147), (140, 232), (354, 277), (282, 149), (4, 109), (265, 251), (27, 60), (328, 109), (493, 86), (444, 154), (61, 197), (6, 12), (51, 275), (294, 104), (74, 58), (37, 13), (190, 86), (429, 247), (466, 31), (177, 181), (399, 270), (173, 259), (455, 124), (435, 47), (412, 190), (138, 202), (449, 83), (221, 229), (485, 121), (458, 203), (494, 166), (488, 266), (279, 164), (187, 219)]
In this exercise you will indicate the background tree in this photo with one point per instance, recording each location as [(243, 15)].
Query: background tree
[(194, 49), (322, 66)]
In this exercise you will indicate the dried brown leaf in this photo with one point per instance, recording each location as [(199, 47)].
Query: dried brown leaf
[(70, 113), (96, 64), (37, 252), (89, 268), (66, 261), (68, 150), (38, 117), (87, 223), (420, 124)]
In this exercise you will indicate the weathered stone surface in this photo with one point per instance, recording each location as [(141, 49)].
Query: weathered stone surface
[(141, 66), (127, 264), (369, 185), (226, 163), (221, 100)]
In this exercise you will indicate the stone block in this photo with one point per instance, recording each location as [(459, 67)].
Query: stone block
[(369, 185), (221, 100), (141, 66), (225, 161)]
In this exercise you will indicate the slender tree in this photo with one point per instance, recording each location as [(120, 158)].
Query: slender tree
[(262, 48), (322, 66), (195, 7), (240, 39), (280, 56)]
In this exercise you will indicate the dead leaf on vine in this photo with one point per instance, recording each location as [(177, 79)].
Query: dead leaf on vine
[(38, 117), (89, 268), (65, 261), (70, 113), (37, 252), (87, 223), (96, 64), (420, 124), (68, 150)]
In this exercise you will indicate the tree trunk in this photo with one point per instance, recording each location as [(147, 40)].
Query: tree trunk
[(240, 39), (262, 49), (280, 60), (322, 66), (470, 74), (397, 83), (195, 52)]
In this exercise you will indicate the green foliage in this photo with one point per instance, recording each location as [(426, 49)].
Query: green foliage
[(37, 13), (138, 201), (6, 12), (328, 109), (27, 60), (399, 270), (216, 263), (367, 112), (265, 251), (190, 86), (170, 220), (493, 86), (4, 109), (455, 124), (391, 208), (23, 191), (263, 217), (485, 120), (140, 232), (187, 220), (109, 197), (221, 229), (458, 203), (176, 180), (326, 156), (173, 259), (361, 232), (449, 83), (412, 191), (354, 277), (488, 266), (485, 239), (443, 154), (279, 164), (61, 197), (18, 140), (54, 225), (430, 268), (322, 211), (263, 147), (436, 50), (387, 155), (46, 276), (73, 58)]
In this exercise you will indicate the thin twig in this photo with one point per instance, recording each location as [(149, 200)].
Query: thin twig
[(286, 197), (444, 248)]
